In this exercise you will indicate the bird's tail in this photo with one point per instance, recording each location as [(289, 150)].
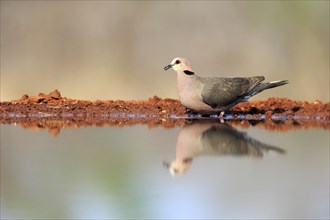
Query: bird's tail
[(273, 84), (262, 146), (268, 85)]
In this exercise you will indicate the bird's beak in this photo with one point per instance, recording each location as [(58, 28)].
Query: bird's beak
[(169, 66), (166, 164)]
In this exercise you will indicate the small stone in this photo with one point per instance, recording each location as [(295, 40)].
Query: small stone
[(36, 99), (25, 97), (55, 94)]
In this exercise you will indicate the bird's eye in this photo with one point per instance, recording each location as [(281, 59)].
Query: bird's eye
[(177, 62)]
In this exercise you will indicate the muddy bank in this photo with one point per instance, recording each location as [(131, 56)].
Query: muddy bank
[(52, 111)]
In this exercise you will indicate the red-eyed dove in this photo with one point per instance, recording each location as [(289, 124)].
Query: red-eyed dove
[(215, 94)]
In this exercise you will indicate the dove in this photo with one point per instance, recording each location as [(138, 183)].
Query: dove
[(209, 95), (210, 138)]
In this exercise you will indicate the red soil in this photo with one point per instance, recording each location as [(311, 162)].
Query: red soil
[(52, 111)]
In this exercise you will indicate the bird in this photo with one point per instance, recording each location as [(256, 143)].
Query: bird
[(209, 138), (209, 95)]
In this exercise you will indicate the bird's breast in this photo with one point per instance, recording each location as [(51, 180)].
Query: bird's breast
[(190, 95)]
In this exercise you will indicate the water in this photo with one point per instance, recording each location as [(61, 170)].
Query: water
[(114, 173)]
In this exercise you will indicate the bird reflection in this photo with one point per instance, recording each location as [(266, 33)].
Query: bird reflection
[(214, 138)]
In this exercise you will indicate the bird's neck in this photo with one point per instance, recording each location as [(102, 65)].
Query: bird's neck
[(185, 80)]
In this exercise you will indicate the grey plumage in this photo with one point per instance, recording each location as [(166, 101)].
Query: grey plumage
[(226, 140), (224, 93)]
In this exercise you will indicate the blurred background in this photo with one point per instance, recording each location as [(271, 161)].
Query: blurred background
[(117, 50)]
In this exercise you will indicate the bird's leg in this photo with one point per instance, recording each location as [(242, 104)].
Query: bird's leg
[(221, 116)]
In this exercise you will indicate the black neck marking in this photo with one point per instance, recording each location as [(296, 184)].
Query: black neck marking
[(187, 72)]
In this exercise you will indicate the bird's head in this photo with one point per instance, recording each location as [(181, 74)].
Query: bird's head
[(180, 64), (178, 167)]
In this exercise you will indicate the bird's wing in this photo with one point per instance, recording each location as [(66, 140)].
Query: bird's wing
[(218, 92)]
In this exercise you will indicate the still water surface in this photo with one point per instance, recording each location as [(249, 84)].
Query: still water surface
[(198, 171)]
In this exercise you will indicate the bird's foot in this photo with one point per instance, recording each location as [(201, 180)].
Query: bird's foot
[(221, 117)]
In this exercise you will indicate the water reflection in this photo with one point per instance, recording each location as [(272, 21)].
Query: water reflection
[(214, 139), (115, 173)]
